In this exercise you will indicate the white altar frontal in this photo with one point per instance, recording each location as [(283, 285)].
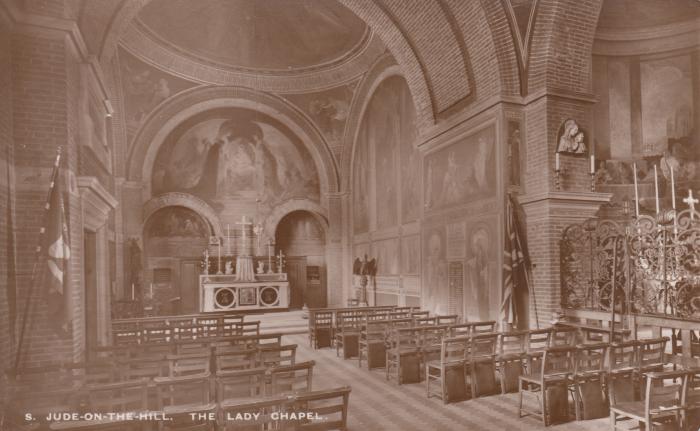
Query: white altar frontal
[(226, 293)]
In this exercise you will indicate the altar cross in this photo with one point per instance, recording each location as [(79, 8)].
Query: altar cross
[(691, 203)]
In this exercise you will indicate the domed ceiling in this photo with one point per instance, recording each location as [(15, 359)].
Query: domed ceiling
[(256, 34)]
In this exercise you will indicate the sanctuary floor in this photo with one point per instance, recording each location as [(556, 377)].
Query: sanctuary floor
[(377, 405)]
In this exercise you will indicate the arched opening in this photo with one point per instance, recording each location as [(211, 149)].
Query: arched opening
[(174, 237), (301, 237)]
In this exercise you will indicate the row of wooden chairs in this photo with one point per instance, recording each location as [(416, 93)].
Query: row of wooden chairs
[(164, 332), (323, 322)]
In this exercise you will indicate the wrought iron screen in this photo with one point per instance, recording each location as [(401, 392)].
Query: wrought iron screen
[(655, 263)]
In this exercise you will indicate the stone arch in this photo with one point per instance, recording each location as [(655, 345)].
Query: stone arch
[(184, 200), (167, 117), (383, 69), (291, 205)]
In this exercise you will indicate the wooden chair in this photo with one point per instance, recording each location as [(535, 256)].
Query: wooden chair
[(420, 314), (320, 328), (347, 333), (403, 356), (650, 355), (236, 360), (430, 339), (251, 415), (330, 405), (156, 333), (425, 321), (291, 379), (588, 381), (622, 366), (249, 328), (189, 365), (460, 330), (550, 384), (137, 369), (372, 348), (234, 387), (448, 372), (537, 342), (276, 356), (691, 421), (481, 364), (509, 359), (663, 403)]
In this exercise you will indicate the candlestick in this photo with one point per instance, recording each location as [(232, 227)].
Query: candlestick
[(673, 190), (269, 257), (556, 162), (656, 188), (636, 191)]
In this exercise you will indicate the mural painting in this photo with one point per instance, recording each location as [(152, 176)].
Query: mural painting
[(383, 133), (360, 187), (435, 294), (480, 272), (667, 101), (387, 254), (410, 254), (233, 154), (410, 159), (176, 222), (462, 172), (514, 140), (145, 87)]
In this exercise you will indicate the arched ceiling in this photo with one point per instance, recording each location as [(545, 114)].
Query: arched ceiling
[(256, 34)]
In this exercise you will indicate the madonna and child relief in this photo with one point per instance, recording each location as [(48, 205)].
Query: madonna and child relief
[(235, 154)]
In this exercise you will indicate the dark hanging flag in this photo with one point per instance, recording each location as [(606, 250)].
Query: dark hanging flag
[(515, 268), (57, 257)]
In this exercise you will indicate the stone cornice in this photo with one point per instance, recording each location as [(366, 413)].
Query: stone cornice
[(647, 40), (97, 202), (572, 206)]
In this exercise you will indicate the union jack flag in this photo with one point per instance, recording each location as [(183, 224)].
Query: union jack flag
[(515, 275)]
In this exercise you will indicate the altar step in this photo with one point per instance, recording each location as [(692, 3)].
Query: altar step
[(286, 322)]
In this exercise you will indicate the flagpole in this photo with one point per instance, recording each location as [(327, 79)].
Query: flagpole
[(42, 231)]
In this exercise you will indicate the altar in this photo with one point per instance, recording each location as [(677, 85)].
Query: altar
[(219, 293)]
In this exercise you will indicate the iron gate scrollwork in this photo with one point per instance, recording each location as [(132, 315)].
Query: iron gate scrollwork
[(655, 263)]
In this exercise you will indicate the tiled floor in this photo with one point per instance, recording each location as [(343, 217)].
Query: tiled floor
[(376, 404)]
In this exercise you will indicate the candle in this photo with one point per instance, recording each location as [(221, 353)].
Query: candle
[(556, 162), (636, 191), (592, 163), (132, 292), (673, 190), (228, 238), (656, 188), (151, 290)]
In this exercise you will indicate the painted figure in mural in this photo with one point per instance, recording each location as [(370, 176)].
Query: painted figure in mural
[(452, 187), (567, 139), (436, 275), (480, 165), (478, 272)]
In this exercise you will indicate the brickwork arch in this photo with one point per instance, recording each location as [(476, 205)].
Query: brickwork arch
[(184, 200), (291, 205), (167, 117)]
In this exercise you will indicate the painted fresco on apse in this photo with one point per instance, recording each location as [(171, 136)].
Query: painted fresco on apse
[(435, 294), (410, 254), (235, 153), (480, 271), (387, 254), (462, 172), (667, 101), (176, 222)]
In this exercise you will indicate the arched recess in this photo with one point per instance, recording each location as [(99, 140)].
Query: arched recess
[(167, 117), (280, 211), (184, 200), (383, 69)]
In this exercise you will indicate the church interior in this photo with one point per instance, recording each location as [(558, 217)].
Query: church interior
[(349, 214)]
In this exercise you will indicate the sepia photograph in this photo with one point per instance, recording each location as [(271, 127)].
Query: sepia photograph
[(356, 215)]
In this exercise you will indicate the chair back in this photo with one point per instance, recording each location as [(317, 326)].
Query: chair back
[(425, 321), (461, 330), (331, 405), (558, 361), (420, 314), (240, 384), (483, 327), (537, 340), (118, 397), (173, 392), (291, 379), (451, 319), (512, 343), (454, 350), (263, 415), (236, 360), (623, 355), (590, 359), (276, 356), (189, 364), (651, 353), (665, 391), (562, 336), (483, 347)]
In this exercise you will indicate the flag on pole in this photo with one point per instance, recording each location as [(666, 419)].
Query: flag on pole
[(57, 257), (514, 267)]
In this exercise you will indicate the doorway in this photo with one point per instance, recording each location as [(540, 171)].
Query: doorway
[(301, 237), (189, 286)]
